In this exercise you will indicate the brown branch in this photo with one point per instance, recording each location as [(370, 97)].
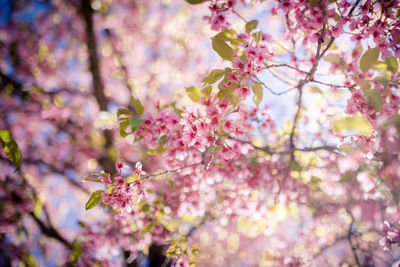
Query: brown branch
[(17, 87), (94, 67), (56, 170), (353, 8), (50, 231), (286, 66), (146, 177), (118, 54), (328, 246), (272, 91), (333, 85), (309, 77), (268, 150), (353, 248)]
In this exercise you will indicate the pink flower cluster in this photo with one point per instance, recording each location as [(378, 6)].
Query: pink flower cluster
[(253, 62), (219, 9), (123, 195), (390, 236), (358, 102), (166, 123), (360, 18)]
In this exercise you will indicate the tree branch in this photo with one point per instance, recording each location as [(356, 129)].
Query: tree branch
[(50, 231), (94, 67)]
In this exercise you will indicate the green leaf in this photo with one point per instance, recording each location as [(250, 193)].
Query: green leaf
[(369, 59), (347, 178), (176, 110), (214, 76), (94, 200), (135, 123), (137, 139), (207, 91), (223, 93), (122, 128), (82, 224), (382, 80), (109, 189), (173, 225), (295, 166), (123, 111), (374, 98), (194, 93), (223, 50), (257, 36), (138, 105), (381, 66), (38, 206), (234, 100), (392, 64), (160, 149), (258, 92), (395, 121), (354, 125), (334, 58), (92, 179), (147, 228), (10, 147), (76, 251), (251, 25), (30, 260), (315, 90), (314, 3), (226, 35), (194, 2), (315, 179)]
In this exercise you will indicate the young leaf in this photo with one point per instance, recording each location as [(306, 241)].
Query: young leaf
[(214, 76), (257, 36), (315, 89), (392, 64), (234, 100), (356, 125), (251, 25), (94, 200), (138, 105), (10, 147), (382, 80), (207, 91), (258, 92), (226, 35), (369, 59), (123, 111), (395, 122), (374, 98), (194, 2), (347, 178), (76, 251), (194, 93), (92, 179), (223, 50), (135, 123), (38, 206), (122, 127), (334, 58), (223, 93), (160, 149), (147, 228)]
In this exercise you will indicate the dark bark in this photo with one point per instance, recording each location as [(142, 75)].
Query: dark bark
[(98, 86)]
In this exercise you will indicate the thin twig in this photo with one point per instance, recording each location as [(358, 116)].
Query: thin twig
[(272, 91), (146, 177)]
